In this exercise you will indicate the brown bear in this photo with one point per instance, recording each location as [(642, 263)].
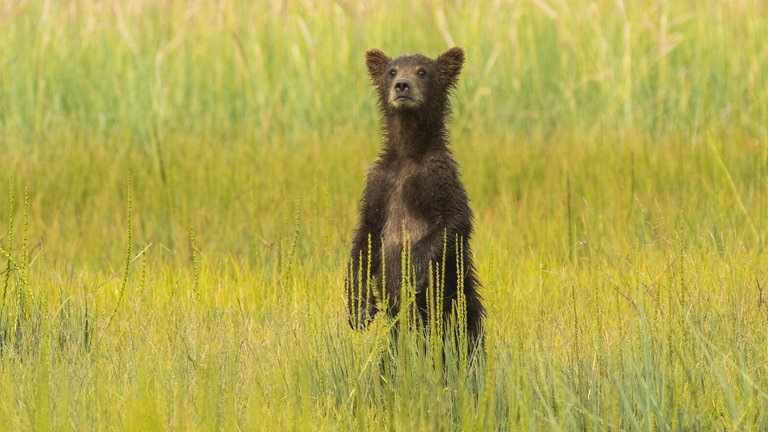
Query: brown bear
[(415, 220)]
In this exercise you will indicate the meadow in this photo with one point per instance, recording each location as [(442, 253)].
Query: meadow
[(179, 184)]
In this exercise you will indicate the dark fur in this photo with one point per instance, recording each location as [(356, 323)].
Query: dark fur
[(413, 191)]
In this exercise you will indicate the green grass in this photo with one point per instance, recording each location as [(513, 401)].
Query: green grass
[(179, 186)]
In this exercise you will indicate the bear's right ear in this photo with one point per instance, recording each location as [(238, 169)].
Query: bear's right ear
[(377, 62), (451, 62)]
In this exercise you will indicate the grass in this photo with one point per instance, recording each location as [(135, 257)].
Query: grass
[(179, 190)]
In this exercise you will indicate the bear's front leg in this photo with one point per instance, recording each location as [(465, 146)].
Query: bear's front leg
[(362, 281)]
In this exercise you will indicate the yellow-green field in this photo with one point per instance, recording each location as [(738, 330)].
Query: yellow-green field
[(179, 184)]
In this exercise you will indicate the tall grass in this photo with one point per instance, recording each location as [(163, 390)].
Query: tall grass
[(616, 155)]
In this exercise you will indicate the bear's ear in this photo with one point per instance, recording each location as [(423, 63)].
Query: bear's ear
[(450, 63), (377, 61)]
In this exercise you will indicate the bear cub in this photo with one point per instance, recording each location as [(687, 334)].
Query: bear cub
[(414, 209)]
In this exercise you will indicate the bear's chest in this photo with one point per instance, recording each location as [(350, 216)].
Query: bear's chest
[(403, 224)]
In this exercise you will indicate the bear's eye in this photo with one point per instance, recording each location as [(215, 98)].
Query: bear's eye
[(422, 73), (392, 72)]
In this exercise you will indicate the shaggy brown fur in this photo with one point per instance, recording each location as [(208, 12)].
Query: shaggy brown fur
[(413, 197)]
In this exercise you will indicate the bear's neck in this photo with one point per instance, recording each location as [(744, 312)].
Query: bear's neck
[(409, 135)]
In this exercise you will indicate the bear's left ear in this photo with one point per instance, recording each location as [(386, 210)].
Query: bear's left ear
[(376, 61), (450, 62)]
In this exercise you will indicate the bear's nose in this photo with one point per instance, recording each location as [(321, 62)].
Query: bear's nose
[(402, 86)]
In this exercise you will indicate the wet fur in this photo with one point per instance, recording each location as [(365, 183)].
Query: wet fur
[(414, 194)]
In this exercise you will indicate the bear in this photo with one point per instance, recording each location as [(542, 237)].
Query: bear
[(415, 222)]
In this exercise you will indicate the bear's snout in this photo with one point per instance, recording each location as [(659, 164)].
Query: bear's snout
[(405, 93), (402, 86)]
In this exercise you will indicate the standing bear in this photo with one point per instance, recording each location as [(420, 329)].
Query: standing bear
[(415, 220)]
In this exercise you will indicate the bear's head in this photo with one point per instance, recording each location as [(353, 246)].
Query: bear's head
[(414, 83)]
